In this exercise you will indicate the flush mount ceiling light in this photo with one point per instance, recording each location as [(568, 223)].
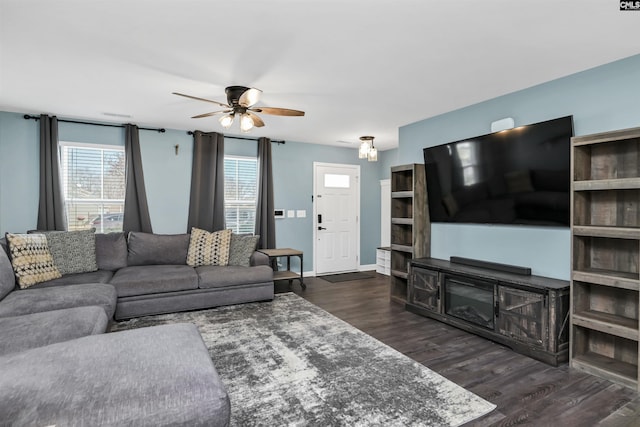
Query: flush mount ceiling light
[(240, 103), (367, 150)]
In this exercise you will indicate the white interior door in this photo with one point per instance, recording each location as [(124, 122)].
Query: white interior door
[(336, 210)]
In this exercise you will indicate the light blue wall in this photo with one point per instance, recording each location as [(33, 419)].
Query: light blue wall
[(168, 180), (19, 179), (601, 99), (293, 183), (387, 159)]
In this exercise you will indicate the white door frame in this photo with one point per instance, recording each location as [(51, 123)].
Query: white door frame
[(315, 213)]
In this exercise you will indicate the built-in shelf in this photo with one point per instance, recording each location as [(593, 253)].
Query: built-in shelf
[(605, 233), (402, 248), (402, 221), (607, 184), (401, 274), (606, 367), (612, 278), (410, 227), (608, 323), (401, 194), (609, 232)]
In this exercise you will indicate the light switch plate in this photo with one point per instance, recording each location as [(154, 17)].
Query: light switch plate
[(301, 213), (291, 214)]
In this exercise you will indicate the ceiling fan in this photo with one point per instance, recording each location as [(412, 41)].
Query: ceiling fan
[(240, 103)]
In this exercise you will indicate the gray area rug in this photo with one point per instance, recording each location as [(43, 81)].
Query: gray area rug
[(290, 363)]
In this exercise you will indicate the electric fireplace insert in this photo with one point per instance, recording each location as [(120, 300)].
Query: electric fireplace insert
[(471, 301)]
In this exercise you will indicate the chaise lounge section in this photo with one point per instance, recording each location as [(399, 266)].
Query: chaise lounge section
[(158, 376)]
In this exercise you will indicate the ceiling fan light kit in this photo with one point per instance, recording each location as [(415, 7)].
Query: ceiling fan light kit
[(367, 150), (240, 102), (226, 121)]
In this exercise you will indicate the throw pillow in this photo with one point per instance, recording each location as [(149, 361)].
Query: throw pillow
[(241, 248), (111, 251), (208, 248), (153, 249), (31, 260), (73, 251)]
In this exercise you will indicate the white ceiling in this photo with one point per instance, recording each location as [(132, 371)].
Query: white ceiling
[(357, 67)]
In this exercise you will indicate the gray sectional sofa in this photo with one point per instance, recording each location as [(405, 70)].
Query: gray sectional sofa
[(150, 274), (57, 365)]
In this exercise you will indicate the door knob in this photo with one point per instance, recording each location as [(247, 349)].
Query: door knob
[(322, 228)]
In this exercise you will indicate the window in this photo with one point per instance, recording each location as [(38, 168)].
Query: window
[(240, 193), (336, 181), (93, 180)]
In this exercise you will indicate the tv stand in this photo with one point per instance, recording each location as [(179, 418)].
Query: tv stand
[(527, 313)]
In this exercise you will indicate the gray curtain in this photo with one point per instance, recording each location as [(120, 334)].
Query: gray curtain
[(136, 210), (51, 211), (265, 219), (206, 205)]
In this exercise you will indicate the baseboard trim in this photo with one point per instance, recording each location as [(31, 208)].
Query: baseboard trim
[(366, 267)]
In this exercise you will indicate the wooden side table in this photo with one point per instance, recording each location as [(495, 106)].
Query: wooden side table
[(287, 274)]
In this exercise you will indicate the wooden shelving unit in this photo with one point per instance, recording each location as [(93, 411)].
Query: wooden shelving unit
[(605, 278), (410, 226)]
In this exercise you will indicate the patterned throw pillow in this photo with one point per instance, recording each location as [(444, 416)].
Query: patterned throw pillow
[(241, 248), (31, 260), (207, 248), (73, 251)]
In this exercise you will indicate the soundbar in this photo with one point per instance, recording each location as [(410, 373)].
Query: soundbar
[(514, 269)]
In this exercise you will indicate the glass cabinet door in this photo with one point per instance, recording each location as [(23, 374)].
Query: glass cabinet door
[(424, 289), (522, 315)]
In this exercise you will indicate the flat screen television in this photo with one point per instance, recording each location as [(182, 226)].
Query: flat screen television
[(519, 176)]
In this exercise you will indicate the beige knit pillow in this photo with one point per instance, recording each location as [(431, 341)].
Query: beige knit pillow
[(208, 248), (31, 259)]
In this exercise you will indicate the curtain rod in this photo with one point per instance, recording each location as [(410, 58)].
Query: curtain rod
[(36, 118), (275, 141)]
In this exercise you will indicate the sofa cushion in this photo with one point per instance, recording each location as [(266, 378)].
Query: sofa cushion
[(215, 276), (29, 301), (241, 248), (39, 329), (158, 376), (111, 251), (73, 251), (100, 276), (31, 259), (151, 279), (209, 248), (7, 278), (157, 249)]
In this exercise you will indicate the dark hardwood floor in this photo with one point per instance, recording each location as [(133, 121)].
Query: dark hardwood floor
[(526, 392)]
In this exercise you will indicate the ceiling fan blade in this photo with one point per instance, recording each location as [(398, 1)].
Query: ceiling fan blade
[(257, 121), (201, 99), (199, 116), (249, 97), (278, 111)]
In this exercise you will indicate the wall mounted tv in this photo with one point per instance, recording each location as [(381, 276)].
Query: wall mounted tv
[(519, 176)]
